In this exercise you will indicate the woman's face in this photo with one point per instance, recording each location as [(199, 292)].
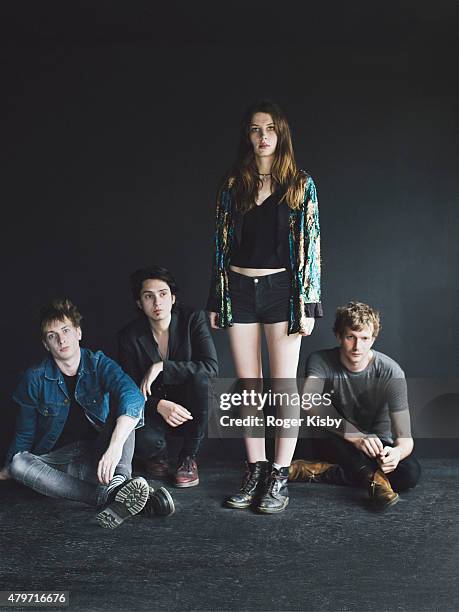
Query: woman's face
[(262, 135)]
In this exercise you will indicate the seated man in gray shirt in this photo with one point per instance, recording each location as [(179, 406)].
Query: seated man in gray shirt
[(365, 392)]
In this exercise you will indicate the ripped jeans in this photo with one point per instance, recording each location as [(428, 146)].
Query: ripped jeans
[(71, 471)]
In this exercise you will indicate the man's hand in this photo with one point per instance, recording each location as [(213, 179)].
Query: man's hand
[(173, 413), (213, 320), (5, 474), (389, 458), (308, 326), (108, 463), (149, 378), (370, 445)]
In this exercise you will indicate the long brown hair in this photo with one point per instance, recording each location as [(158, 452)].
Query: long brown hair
[(244, 177)]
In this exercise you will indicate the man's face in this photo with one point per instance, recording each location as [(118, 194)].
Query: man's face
[(156, 299), (355, 347), (62, 339)]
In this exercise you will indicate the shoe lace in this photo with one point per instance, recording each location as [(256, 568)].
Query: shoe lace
[(273, 484), (187, 464), (249, 482)]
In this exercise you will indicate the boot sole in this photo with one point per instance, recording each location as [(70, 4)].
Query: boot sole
[(271, 510), (185, 485), (129, 501), (389, 505), (236, 506)]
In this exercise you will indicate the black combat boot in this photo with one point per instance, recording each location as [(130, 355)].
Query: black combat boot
[(126, 500), (275, 497), (252, 484), (159, 502)]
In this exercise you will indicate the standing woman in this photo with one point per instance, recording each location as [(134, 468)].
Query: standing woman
[(266, 274)]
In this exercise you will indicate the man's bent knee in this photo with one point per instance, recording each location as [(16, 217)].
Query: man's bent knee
[(199, 383), (19, 464)]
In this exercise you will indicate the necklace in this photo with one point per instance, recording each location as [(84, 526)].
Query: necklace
[(261, 174)]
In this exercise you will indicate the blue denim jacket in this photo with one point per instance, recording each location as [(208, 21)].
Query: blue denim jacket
[(44, 400)]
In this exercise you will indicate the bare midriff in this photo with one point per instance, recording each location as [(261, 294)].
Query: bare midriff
[(256, 271)]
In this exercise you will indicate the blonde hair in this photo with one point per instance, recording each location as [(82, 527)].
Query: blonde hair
[(58, 310), (355, 316)]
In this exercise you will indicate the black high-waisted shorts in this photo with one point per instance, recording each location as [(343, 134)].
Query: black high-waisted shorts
[(263, 299)]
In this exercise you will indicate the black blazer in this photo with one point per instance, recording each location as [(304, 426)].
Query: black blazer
[(191, 348)]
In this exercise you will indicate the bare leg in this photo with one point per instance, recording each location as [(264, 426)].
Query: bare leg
[(245, 343), (284, 353)]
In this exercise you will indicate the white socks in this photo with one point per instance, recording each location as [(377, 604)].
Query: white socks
[(278, 467)]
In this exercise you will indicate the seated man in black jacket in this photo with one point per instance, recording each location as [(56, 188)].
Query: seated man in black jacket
[(170, 354)]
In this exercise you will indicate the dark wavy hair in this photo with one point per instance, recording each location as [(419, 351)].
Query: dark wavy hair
[(151, 272), (58, 310), (244, 178)]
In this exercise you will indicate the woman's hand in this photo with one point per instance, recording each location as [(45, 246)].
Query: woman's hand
[(173, 413), (308, 327), (149, 378), (213, 317)]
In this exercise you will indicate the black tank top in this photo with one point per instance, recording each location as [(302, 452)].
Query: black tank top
[(258, 248)]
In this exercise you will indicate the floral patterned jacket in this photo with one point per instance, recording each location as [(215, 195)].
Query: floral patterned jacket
[(304, 250)]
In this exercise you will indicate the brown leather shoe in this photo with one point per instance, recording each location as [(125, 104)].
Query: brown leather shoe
[(381, 492), (157, 467), (308, 471), (187, 473)]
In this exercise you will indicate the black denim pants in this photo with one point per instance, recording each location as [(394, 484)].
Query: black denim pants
[(194, 395), (334, 449)]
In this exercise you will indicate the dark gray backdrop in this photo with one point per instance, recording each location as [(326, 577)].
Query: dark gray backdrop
[(118, 120)]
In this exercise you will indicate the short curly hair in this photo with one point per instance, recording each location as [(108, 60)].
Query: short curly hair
[(355, 316), (58, 310)]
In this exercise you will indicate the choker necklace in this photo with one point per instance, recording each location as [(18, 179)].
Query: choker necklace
[(264, 175)]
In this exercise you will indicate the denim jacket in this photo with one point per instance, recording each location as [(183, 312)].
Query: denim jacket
[(44, 400)]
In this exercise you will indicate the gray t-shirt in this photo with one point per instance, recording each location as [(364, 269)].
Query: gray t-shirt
[(367, 398)]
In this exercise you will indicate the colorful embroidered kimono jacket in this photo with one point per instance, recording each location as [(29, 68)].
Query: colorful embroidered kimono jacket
[(304, 250)]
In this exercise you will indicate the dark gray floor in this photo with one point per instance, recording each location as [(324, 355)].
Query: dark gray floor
[(328, 551)]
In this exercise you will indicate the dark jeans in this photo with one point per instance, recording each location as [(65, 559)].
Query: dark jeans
[(355, 463), (194, 395), (71, 471)]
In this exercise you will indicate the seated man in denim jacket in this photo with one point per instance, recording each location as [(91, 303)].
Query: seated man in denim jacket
[(74, 434)]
